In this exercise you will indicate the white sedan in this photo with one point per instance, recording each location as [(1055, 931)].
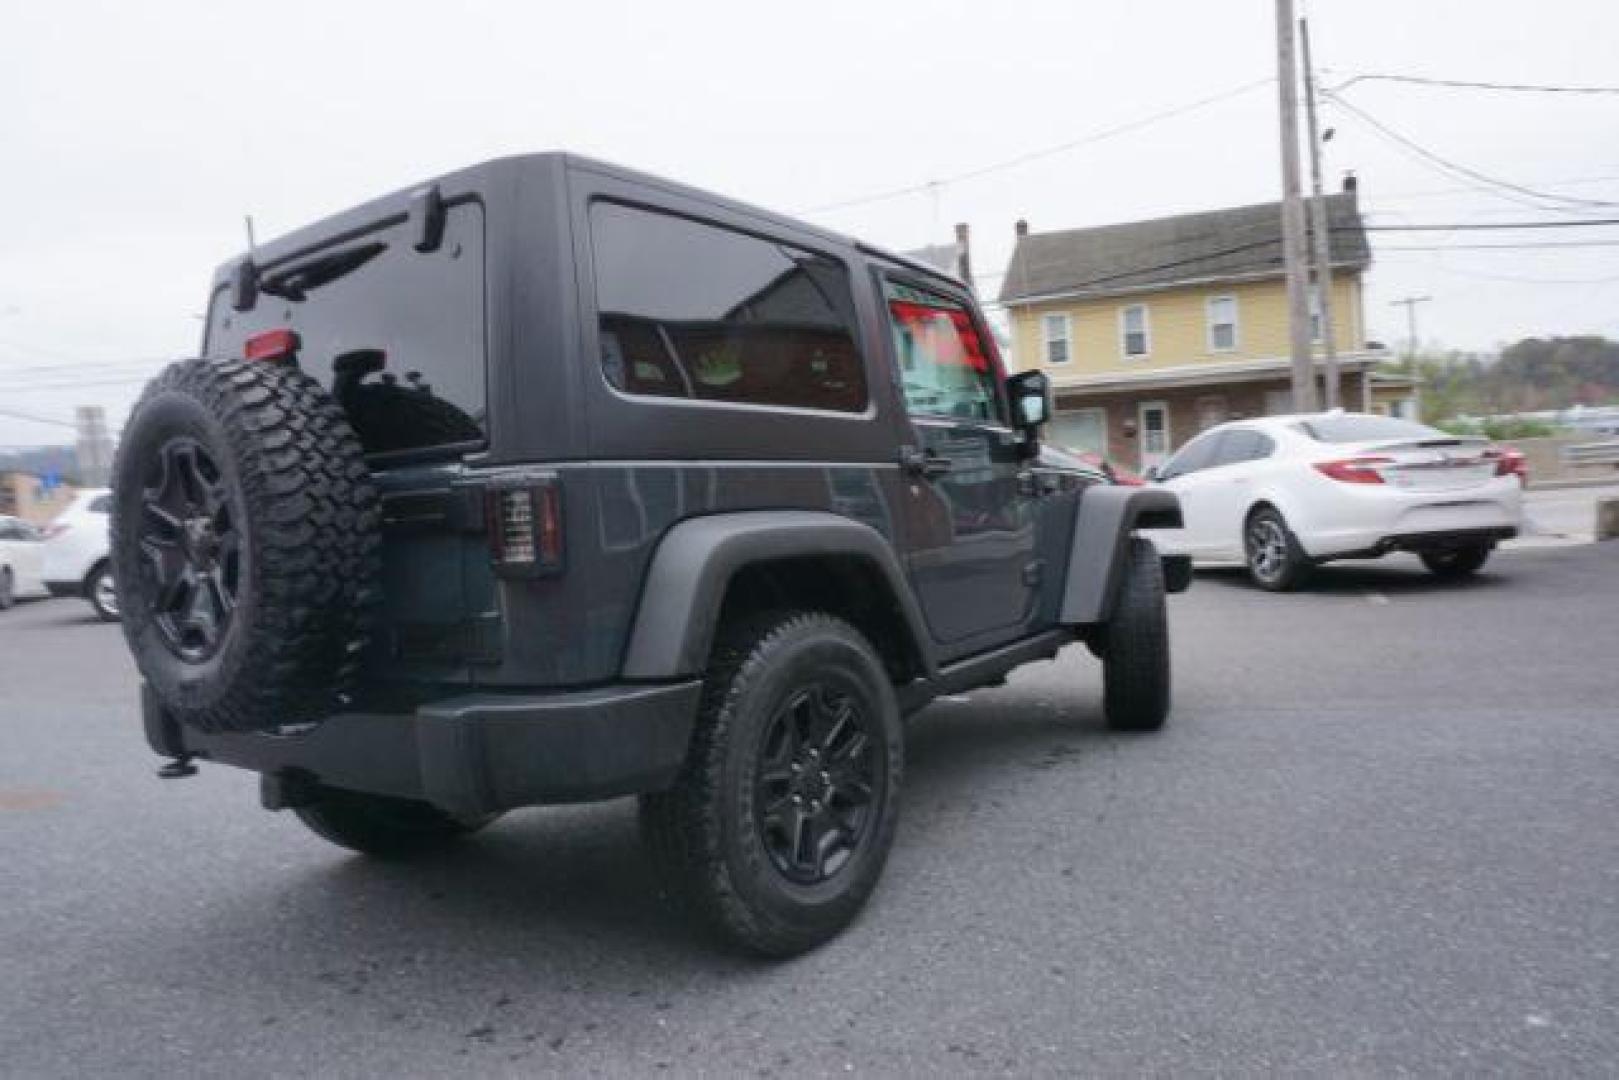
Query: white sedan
[(22, 561), (76, 552), (1285, 493)]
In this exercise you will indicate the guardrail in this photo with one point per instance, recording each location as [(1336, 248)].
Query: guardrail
[(1601, 453)]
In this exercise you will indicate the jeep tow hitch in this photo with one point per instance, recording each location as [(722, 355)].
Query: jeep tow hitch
[(178, 769)]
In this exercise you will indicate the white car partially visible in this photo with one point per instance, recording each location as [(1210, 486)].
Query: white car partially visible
[(21, 562), (77, 559), (1285, 493)]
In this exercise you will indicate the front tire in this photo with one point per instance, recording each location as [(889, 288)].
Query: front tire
[(1276, 562), (8, 588), (778, 827), (1456, 563), (1135, 646), (99, 590), (382, 826)]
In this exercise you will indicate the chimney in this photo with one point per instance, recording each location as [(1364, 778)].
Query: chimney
[(1022, 228), (1351, 183), (964, 265)]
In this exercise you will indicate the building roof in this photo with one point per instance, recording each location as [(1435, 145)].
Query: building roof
[(942, 257), (1238, 243)]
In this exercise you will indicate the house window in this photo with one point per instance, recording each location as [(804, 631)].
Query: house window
[(1222, 323), (1315, 314), (1133, 331), (1056, 330)]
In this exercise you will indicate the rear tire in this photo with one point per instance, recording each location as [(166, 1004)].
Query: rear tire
[(1456, 562), (99, 590), (1276, 562), (382, 826), (778, 827), (8, 588), (1135, 646)]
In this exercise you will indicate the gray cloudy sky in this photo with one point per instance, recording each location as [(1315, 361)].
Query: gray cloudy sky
[(133, 136)]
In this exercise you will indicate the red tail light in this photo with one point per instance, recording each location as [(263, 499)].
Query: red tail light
[(1509, 461), (1361, 470), (525, 528), (272, 345)]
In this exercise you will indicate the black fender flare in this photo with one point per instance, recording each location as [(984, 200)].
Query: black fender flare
[(1106, 517), (685, 584)]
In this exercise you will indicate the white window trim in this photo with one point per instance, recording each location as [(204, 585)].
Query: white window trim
[(1146, 332), (1046, 339), (1236, 323)]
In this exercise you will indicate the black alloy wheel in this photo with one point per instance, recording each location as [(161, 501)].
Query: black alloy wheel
[(819, 770), (193, 548)]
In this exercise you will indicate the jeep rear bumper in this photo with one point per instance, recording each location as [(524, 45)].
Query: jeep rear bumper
[(470, 754)]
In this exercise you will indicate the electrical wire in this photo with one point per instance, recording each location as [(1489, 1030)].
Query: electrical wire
[(1469, 226), (1526, 245), (14, 415), (1036, 155), (1455, 170), (1468, 84)]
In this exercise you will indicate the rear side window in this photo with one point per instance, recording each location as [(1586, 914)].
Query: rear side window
[(692, 310), (944, 367), (101, 504), (1357, 428), (1243, 444), (423, 312)]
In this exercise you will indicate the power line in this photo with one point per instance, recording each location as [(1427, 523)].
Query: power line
[(1036, 155), (1429, 193), (1526, 245), (1468, 84), (1469, 226), (1455, 170), (31, 418)]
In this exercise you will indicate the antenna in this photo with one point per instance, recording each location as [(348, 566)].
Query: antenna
[(252, 247)]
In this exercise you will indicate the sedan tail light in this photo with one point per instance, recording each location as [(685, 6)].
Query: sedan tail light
[(1509, 461), (1360, 470)]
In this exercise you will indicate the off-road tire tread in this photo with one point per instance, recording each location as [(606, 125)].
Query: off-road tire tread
[(313, 521), (682, 826), (1135, 655)]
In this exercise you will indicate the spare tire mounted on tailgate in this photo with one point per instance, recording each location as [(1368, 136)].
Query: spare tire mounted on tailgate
[(245, 544)]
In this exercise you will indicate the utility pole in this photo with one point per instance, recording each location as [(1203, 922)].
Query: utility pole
[(1410, 303), (1303, 367), (1322, 253)]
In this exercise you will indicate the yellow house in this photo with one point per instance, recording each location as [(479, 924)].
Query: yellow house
[(1153, 330)]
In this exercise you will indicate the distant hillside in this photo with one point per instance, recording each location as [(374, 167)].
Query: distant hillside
[(1528, 376)]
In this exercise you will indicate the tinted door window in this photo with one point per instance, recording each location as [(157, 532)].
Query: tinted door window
[(423, 311), (944, 368), (692, 310)]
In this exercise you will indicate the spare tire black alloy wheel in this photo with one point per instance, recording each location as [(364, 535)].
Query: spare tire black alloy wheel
[(245, 543), (188, 533), (815, 782)]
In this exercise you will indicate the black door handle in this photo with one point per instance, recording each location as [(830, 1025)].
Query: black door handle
[(924, 463)]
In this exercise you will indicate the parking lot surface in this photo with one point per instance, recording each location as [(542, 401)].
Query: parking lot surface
[(1381, 834)]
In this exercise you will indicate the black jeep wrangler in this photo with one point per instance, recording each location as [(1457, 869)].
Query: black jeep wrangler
[(548, 481)]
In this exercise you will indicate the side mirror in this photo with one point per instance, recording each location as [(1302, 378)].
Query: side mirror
[(1030, 395)]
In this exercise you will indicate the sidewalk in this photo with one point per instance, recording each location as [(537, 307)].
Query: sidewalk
[(1561, 515)]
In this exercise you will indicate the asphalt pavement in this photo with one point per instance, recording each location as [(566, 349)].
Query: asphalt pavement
[(1380, 836)]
